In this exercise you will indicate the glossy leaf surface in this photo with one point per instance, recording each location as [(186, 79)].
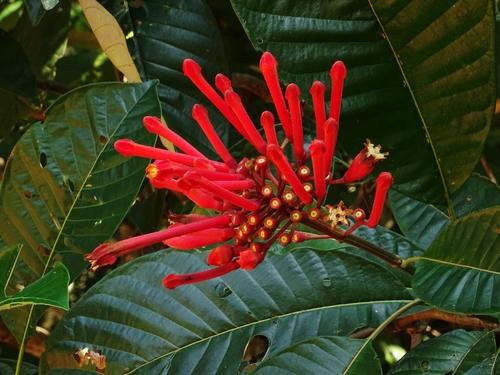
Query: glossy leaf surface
[(460, 272), (420, 78), (50, 290), (452, 353), (323, 355), (66, 189), (205, 327), (423, 222)]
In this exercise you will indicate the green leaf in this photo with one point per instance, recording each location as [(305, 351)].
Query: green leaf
[(454, 352), (423, 222), (379, 236), (65, 188), (322, 355), (42, 53), (50, 290), (420, 78), (8, 367), (16, 75), (144, 328), (460, 272), (165, 33)]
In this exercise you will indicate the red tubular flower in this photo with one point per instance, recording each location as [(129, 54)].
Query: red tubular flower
[(199, 239), (337, 73), (275, 154), (384, 182), (204, 199), (292, 95), (172, 281), (363, 164), (200, 114), (260, 204), (106, 254), (268, 66), (267, 121), (193, 71), (249, 259), (154, 125), (221, 255), (222, 83), (318, 97), (331, 130), (234, 101), (317, 150), (197, 180)]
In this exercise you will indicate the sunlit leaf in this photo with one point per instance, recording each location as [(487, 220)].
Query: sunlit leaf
[(66, 189), (110, 37), (50, 290)]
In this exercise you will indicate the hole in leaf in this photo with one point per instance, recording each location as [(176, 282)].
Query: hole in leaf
[(255, 351), (222, 290), (43, 159), (469, 197), (71, 186), (260, 41), (57, 258), (43, 250), (68, 241), (327, 282), (424, 366), (28, 194), (103, 140)]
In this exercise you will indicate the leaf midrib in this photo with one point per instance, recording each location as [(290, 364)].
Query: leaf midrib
[(52, 251), (275, 317)]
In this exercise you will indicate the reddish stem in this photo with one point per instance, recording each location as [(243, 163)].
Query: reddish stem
[(275, 154)]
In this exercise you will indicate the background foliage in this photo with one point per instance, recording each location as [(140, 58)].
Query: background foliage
[(421, 82)]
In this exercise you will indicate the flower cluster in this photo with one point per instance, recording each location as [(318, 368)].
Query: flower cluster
[(260, 200)]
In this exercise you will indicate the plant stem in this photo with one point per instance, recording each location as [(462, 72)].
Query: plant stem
[(339, 235)]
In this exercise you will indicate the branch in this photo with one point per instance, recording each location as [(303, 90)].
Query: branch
[(435, 314), (339, 235)]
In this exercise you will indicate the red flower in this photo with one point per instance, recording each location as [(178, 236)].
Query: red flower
[(258, 206)]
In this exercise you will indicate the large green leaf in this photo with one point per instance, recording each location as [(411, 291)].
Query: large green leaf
[(423, 222), (143, 328), (454, 352), (420, 80), (66, 189), (50, 290), (323, 355), (460, 272), (165, 32)]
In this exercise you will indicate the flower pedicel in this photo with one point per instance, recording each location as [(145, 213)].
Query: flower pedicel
[(257, 206)]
